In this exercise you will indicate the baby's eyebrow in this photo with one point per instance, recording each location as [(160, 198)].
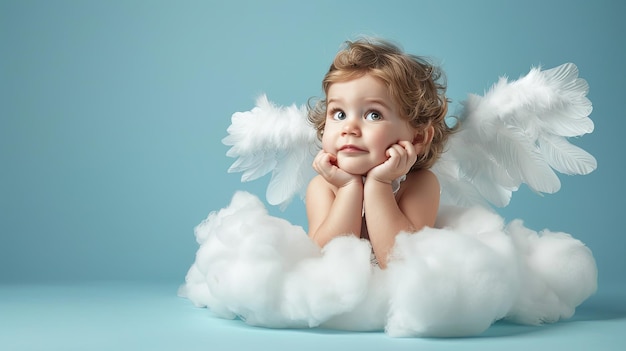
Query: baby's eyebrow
[(381, 102), (333, 100)]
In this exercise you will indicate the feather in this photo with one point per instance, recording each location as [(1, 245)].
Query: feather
[(277, 140), (566, 157), (516, 133), (454, 189), (523, 161)]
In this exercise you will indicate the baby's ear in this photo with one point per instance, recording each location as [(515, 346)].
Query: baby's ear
[(424, 137)]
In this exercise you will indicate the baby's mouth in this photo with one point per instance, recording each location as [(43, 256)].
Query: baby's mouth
[(351, 148)]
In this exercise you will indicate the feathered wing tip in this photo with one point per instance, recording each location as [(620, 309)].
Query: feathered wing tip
[(517, 133), (274, 139)]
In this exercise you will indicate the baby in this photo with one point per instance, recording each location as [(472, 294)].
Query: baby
[(382, 126)]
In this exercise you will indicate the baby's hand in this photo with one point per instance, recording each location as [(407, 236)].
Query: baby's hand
[(326, 165), (402, 156)]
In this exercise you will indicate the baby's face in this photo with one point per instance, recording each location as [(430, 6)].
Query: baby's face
[(362, 122)]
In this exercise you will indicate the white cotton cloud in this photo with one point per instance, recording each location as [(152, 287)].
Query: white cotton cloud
[(454, 280)]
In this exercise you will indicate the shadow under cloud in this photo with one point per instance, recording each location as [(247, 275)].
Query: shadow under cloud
[(601, 307)]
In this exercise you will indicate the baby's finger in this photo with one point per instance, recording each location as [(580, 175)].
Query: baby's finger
[(396, 155), (407, 146), (320, 161), (399, 150), (411, 151)]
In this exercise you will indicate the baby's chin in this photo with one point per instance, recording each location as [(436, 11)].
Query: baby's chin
[(356, 169)]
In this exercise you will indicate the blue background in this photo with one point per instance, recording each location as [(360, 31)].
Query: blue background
[(112, 115)]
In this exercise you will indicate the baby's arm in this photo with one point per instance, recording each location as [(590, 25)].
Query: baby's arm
[(387, 216), (333, 201), (415, 207)]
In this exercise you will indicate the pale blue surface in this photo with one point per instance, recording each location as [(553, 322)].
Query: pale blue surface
[(128, 316), (111, 116)]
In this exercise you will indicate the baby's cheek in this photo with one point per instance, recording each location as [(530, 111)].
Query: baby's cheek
[(380, 157), (328, 146)]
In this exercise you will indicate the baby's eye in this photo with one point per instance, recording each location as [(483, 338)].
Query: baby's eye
[(373, 116), (339, 115)]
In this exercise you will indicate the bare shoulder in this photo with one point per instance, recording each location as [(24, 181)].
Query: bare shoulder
[(319, 188), (319, 198), (318, 183), (422, 184), (423, 179), (419, 198)]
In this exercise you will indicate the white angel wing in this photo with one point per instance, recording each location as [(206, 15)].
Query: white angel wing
[(274, 139), (517, 133)]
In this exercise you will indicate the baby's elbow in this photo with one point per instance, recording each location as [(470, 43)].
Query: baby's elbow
[(318, 239)]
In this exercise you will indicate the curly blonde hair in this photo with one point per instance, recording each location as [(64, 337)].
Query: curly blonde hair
[(417, 86)]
